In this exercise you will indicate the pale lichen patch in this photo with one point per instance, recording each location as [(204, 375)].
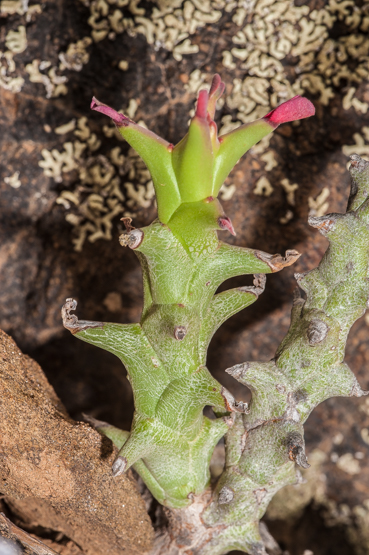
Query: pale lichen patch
[(66, 127), (287, 218), (227, 60), (20, 7), (263, 187), (132, 108), (349, 464), (41, 72), (361, 146), (103, 183), (35, 9), (16, 41), (290, 189), (117, 157), (227, 191), (279, 29), (269, 159), (51, 76), (338, 438), (13, 180), (166, 25), (9, 82), (76, 55), (11, 7), (349, 101), (66, 197), (261, 146), (141, 196), (184, 48), (319, 206), (228, 125)]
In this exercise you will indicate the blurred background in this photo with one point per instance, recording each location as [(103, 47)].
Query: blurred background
[(67, 177)]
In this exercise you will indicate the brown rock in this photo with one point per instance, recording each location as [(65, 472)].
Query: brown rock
[(55, 472)]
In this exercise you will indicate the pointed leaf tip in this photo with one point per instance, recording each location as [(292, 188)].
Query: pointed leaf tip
[(296, 108), (214, 84), (202, 104), (217, 86), (119, 119), (216, 91)]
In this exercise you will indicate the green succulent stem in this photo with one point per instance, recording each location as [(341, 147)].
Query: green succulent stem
[(308, 368), (183, 262)]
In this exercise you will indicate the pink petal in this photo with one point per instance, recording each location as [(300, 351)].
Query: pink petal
[(296, 108)]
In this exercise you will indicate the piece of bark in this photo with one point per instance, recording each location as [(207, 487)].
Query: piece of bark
[(16, 535), (56, 473)]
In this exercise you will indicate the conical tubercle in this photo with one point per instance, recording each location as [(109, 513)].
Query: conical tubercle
[(226, 224)]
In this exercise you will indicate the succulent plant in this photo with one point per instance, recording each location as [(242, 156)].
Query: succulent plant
[(183, 264)]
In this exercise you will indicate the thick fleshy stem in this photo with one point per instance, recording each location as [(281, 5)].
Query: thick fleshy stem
[(264, 445), (184, 262)]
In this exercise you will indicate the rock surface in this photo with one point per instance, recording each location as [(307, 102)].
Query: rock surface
[(56, 473)]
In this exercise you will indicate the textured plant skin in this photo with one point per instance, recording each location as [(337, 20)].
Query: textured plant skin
[(308, 368), (183, 263)]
